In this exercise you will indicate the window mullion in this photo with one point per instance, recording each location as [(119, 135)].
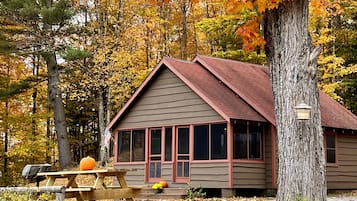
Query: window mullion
[(248, 141), (209, 142), (131, 146)]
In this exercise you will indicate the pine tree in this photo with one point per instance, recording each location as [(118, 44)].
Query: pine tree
[(42, 24)]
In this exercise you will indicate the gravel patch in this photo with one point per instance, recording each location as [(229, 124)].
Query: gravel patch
[(342, 198)]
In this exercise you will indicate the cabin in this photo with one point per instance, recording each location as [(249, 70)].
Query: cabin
[(210, 123)]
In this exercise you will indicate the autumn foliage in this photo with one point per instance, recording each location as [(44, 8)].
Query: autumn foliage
[(113, 45)]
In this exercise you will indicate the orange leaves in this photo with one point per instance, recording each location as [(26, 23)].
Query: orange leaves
[(324, 8), (250, 31), (159, 2), (250, 35), (259, 6)]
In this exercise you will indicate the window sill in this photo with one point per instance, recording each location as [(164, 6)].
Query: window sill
[(210, 161), (130, 163), (334, 165), (247, 161)]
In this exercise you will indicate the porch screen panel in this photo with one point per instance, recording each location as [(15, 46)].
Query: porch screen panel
[(201, 142), (219, 141), (255, 141), (183, 140), (155, 142), (138, 149), (240, 141), (124, 146), (168, 144)]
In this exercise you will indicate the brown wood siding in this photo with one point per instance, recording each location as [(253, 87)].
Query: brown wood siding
[(136, 177), (209, 175), (168, 101), (268, 157), (166, 171), (249, 175), (344, 176)]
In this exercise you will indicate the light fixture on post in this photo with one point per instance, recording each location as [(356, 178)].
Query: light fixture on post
[(302, 111)]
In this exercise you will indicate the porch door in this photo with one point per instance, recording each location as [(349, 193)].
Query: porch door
[(183, 153), (155, 154)]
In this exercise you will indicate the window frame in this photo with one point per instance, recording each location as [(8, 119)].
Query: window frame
[(210, 141), (334, 135), (131, 146), (235, 134), (168, 144)]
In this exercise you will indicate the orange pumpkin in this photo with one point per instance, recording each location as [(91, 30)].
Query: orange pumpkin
[(87, 163), (164, 184)]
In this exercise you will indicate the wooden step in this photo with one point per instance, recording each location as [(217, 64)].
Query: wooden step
[(167, 194)]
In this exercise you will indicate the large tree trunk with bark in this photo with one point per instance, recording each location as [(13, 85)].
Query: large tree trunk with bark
[(55, 97), (293, 62)]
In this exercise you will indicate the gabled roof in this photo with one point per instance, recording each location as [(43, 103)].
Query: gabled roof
[(249, 81), (236, 90)]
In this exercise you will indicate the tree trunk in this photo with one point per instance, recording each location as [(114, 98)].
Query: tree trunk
[(101, 123), (65, 156), (293, 62), (185, 8), (103, 152)]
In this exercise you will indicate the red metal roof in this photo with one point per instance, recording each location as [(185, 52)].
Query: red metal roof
[(238, 90), (249, 81)]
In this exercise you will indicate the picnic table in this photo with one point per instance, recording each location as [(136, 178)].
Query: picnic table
[(97, 190)]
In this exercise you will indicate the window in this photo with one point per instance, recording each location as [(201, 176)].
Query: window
[(330, 148), (124, 146), (218, 141), (210, 142), (247, 139), (131, 146), (201, 142)]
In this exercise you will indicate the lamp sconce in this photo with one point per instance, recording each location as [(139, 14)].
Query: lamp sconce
[(302, 111)]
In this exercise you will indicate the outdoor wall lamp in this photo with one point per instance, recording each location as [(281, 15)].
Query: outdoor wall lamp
[(302, 111)]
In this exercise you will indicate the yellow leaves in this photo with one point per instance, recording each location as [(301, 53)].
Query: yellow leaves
[(13, 27), (330, 89), (323, 37), (332, 70), (330, 66), (259, 6)]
